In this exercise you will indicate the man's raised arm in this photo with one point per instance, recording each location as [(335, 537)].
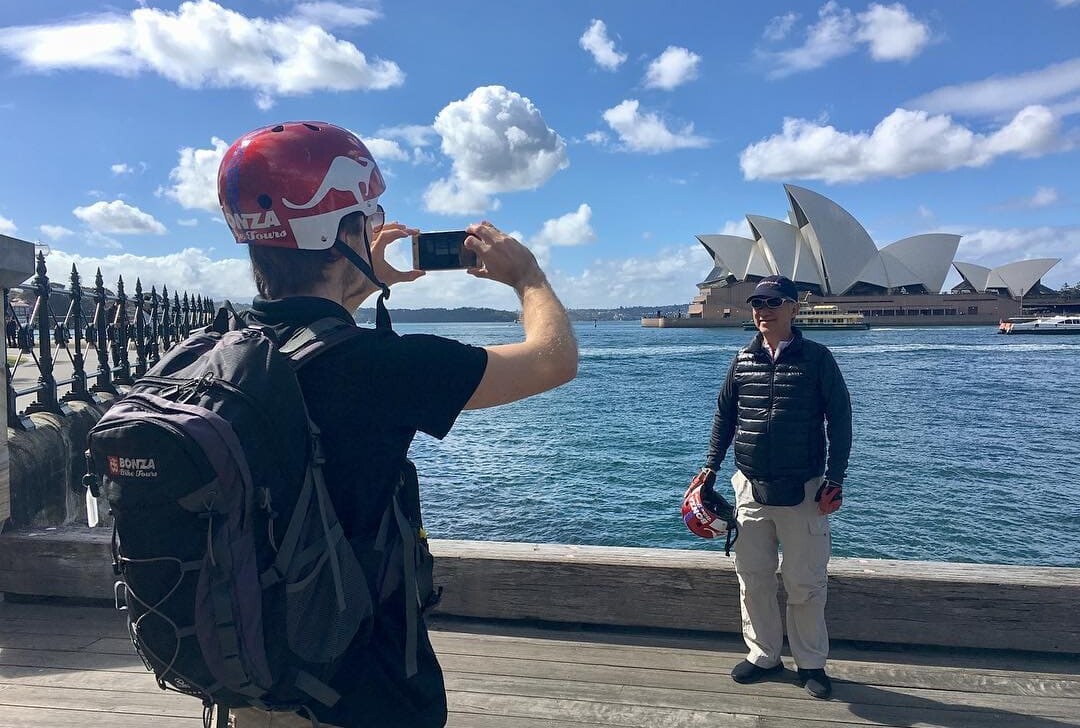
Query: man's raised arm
[(548, 357)]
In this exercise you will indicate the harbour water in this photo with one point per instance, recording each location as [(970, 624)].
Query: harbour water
[(966, 444)]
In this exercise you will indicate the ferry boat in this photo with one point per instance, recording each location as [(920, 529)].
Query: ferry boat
[(823, 317), (1045, 325)]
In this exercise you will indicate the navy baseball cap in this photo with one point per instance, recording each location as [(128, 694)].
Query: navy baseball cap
[(775, 287)]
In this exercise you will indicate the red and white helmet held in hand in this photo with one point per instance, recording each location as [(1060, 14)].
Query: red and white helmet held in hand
[(290, 185), (706, 513)]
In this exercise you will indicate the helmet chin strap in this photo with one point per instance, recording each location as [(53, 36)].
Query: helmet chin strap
[(382, 316)]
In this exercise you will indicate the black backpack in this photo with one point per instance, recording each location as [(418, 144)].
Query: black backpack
[(239, 585)]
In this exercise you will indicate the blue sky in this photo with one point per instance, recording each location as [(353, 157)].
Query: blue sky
[(604, 134)]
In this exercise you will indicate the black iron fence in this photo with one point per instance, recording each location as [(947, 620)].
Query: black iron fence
[(112, 324)]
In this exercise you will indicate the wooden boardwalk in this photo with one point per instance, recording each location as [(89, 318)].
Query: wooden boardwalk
[(73, 667)]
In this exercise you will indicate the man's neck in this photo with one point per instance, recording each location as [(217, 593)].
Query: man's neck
[(773, 339)]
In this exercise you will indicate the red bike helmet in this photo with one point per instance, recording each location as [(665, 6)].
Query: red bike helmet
[(707, 513), (700, 519), (289, 185)]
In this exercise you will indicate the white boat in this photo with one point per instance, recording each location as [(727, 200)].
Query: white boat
[(823, 317), (1045, 325)]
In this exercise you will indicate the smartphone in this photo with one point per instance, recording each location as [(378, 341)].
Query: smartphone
[(442, 251)]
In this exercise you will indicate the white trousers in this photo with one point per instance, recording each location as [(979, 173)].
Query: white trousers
[(803, 532)]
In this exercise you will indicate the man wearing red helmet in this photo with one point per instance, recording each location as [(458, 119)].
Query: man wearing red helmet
[(304, 197), (785, 405)]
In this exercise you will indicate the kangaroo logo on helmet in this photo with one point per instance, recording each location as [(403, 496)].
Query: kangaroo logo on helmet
[(359, 176)]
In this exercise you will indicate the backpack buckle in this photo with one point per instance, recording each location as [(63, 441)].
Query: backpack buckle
[(120, 592)]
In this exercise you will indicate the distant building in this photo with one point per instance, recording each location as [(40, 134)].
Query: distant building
[(829, 255)]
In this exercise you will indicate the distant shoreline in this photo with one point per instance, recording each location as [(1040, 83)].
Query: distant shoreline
[(493, 315)]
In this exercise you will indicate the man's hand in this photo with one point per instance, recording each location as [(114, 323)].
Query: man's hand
[(704, 479), (502, 258), (389, 233), (830, 496)]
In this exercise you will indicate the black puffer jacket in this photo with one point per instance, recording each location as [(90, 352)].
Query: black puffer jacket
[(778, 414)]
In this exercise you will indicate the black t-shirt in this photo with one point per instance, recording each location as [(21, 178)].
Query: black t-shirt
[(369, 396)]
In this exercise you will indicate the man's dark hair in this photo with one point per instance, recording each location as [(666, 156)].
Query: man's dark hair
[(282, 272)]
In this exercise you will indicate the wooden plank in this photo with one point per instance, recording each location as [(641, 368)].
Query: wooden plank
[(106, 702), (642, 651), (920, 603), (46, 717), (878, 706), (955, 605), (589, 712), (51, 676), (526, 678), (462, 719), (73, 660), (74, 561), (673, 682)]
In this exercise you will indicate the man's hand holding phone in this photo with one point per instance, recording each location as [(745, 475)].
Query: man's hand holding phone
[(389, 233), (502, 258)]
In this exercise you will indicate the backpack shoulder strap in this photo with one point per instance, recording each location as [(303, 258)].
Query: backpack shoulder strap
[(227, 319), (315, 339)]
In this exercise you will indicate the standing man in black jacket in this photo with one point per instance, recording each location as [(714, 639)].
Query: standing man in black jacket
[(785, 405)]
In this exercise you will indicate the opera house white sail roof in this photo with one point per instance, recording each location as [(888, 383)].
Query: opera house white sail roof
[(823, 248), (1017, 277)]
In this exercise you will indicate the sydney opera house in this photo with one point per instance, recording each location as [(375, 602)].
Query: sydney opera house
[(832, 259)]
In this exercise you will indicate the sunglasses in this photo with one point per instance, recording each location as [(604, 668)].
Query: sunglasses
[(376, 219), (767, 302)]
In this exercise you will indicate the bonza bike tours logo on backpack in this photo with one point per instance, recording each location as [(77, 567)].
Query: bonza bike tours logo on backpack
[(132, 467)]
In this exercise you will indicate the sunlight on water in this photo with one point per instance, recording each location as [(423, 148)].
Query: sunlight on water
[(966, 444)]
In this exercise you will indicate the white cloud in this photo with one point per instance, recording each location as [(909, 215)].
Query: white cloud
[(1066, 3), (1057, 83), (189, 270), (415, 135), (498, 142), (385, 145), (669, 276), (386, 149), (902, 144), (119, 218), (647, 132), (890, 32), (264, 101), (996, 246), (779, 26), (674, 67), (602, 48), (335, 15), (666, 277), (202, 45), (188, 222), (737, 227), (571, 229), (7, 227), (448, 197), (121, 169), (55, 232), (1043, 197), (95, 239), (598, 138), (194, 179)]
